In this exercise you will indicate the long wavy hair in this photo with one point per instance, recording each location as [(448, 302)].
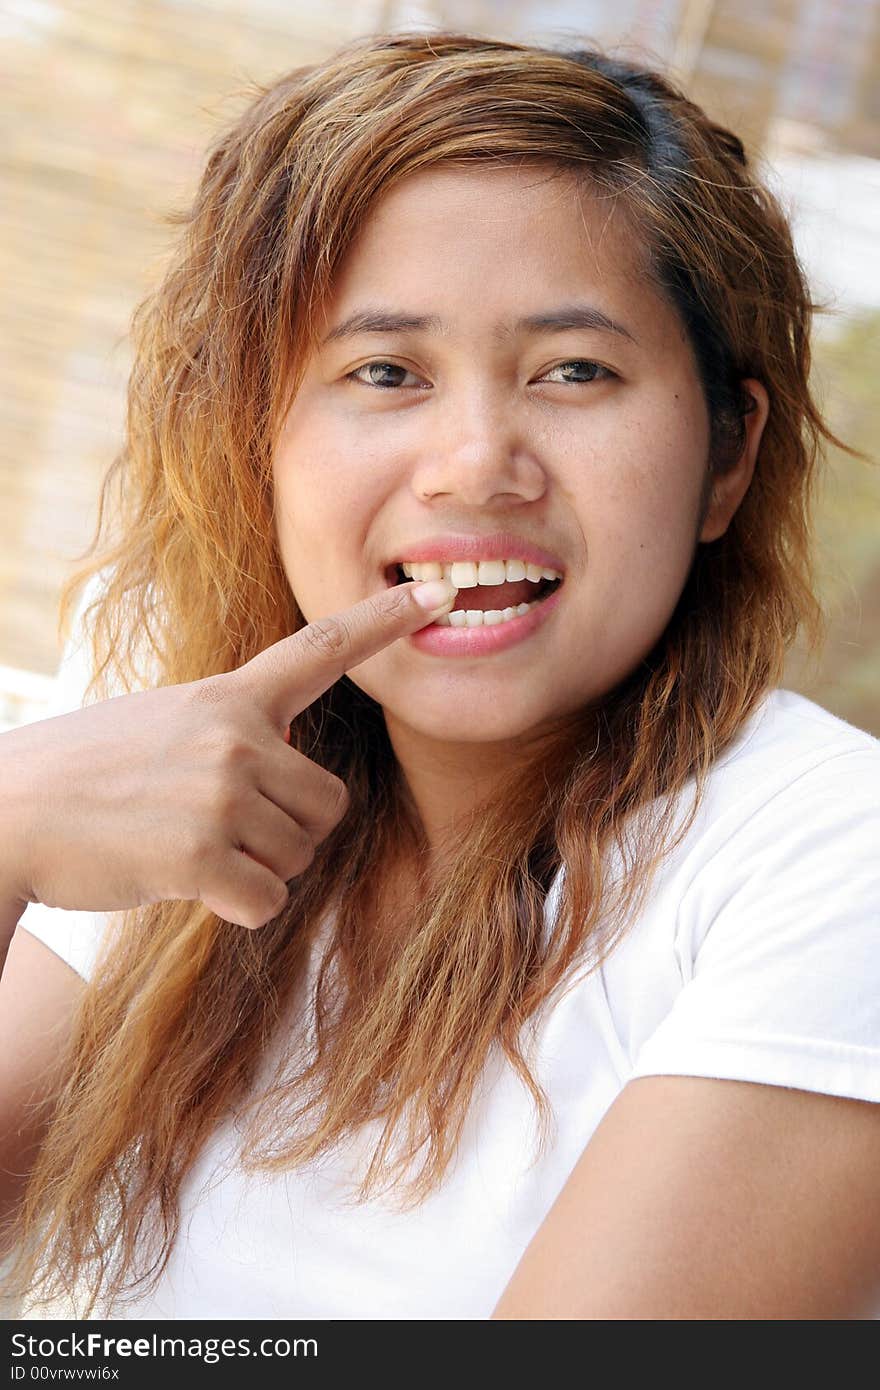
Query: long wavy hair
[(173, 1026)]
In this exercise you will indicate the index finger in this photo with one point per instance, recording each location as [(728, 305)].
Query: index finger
[(292, 673)]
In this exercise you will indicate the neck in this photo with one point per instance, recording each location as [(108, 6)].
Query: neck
[(447, 784)]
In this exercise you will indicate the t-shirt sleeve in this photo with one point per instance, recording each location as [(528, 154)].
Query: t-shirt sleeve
[(74, 936), (779, 934)]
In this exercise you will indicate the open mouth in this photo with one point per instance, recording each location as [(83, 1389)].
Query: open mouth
[(488, 596)]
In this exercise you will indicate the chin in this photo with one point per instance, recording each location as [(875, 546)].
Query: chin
[(447, 726)]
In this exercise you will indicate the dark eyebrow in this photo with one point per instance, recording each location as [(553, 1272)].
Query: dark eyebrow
[(554, 321), (571, 316)]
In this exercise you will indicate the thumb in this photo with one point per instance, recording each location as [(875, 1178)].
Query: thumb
[(292, 673)]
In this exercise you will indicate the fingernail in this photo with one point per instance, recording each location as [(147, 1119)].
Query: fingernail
[(435, 595)]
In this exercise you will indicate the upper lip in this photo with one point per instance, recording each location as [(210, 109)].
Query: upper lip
[(500, 545)]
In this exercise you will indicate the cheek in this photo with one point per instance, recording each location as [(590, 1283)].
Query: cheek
[(664, 473), (326, 496), (328, 470), (314, 488), (641, 521)]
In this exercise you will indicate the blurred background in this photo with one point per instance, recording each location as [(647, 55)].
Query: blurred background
[(108, 107)]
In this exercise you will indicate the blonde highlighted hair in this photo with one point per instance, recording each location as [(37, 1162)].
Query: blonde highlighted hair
[(182, 1006)]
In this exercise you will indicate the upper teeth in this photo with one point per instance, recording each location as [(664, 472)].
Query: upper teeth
[(467, 574)]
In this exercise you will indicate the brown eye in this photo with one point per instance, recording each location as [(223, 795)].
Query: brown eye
[(374, 369), (588, 371)]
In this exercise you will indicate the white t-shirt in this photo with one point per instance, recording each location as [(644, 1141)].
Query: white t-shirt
[(756, 958)]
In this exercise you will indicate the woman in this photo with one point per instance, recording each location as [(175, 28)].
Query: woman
[(559, 994)]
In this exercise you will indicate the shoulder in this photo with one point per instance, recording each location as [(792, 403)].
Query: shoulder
[(756, 956), (795, 773), (788, 834), (790, 740)]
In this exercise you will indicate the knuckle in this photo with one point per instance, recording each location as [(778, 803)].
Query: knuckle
[(225, 808), (343, 807), (328, 637), (338, 797), (199, 851), (218, 799), (232, 753), (267, 906), (229, 772), (383, 611), (260, 915), (302, 851), (393, 602)]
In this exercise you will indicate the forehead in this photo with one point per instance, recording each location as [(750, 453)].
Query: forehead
[(539, 192), (486, 235)]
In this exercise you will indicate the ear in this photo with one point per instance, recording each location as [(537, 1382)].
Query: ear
[(730, 488)]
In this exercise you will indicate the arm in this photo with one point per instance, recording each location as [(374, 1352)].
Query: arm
[(12, 900), (10, 914), (706, 1199), (39, 993)]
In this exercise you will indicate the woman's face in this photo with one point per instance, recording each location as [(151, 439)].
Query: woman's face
[(590, 443)]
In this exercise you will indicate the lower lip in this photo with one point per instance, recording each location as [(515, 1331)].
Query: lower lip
[(483, 641)]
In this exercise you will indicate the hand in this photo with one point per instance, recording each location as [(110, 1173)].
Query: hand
[(189, 791)]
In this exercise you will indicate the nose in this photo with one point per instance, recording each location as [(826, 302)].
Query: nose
[(474, 450)]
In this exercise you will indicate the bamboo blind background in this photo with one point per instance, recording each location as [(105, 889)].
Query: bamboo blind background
[(107, 109)]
